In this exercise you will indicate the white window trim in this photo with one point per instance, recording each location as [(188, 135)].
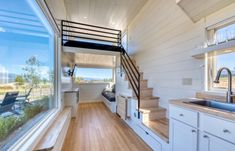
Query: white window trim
[(33, 136)]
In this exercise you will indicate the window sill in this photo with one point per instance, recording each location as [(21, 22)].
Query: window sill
[(33, 136), (100, 83)]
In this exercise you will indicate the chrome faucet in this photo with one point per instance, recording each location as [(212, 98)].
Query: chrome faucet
[(229, 95)]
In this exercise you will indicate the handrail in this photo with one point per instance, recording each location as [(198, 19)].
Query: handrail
[(80, 32), (130, 70), (90, 34), (66, 21)]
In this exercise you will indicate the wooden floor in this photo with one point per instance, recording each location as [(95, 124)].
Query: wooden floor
[(97, 129), (160, 127)]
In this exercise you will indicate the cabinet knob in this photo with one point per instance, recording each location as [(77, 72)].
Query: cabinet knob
[(205, 136), (194, 131), (181, 114), (226, 131), (134, 114)]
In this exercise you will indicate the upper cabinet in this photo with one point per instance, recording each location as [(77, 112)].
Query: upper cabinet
[(200, 8)]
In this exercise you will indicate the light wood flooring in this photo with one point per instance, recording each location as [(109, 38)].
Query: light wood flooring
[(97, 129), (160, 127)]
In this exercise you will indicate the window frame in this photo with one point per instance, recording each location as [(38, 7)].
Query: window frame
[(32, 137), (212, 29), (94, 67), (210, 32)]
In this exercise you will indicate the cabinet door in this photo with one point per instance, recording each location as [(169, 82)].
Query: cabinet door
[(183, 137), (212, 143)]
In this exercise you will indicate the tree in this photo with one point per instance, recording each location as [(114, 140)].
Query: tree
[(19, 80), (79, 79), (31, 69), (44, 80)]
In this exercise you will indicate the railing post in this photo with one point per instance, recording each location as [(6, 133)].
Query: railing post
[(119, 39), (139, 97), (62, 30)]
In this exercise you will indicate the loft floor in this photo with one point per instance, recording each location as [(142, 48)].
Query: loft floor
[(97, 129)]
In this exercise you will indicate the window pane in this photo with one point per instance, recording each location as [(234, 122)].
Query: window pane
[(93, 75), (225, 33), (26, 70), (224, 60)]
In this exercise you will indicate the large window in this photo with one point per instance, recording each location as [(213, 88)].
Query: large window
[(215, 62), (26, 70), (94, 75)]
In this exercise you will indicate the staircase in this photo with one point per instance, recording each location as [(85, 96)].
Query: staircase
[(149, 104), (151, 114)]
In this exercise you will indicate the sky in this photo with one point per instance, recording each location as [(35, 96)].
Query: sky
[(22, 35), (94, 73), (226, 60)]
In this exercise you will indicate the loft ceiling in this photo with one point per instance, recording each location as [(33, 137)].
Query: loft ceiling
[(109, 13)]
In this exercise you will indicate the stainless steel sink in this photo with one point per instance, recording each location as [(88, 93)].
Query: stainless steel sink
[(215, 104)]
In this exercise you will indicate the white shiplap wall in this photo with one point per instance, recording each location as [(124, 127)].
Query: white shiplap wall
[(91, 92), (162, 38)]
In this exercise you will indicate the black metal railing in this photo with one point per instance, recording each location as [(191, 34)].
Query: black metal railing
[(133, 75), (80, 32), (74, 31)]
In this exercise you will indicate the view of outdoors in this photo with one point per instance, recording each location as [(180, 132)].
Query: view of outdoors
[(26, 70), (93, 75), (224, 60)]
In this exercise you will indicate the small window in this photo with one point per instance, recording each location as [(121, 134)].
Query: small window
[(214, 64), (221, 34), (94, 75)]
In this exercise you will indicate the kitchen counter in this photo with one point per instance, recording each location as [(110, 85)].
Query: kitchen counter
[(208, 110), (73, 90)]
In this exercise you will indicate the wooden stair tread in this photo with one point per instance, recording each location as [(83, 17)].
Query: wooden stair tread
[(49, 139), (159, 127), (152, 109), (147, 98), (150, 99)]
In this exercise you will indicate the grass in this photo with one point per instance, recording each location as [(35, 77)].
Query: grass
[(10, 124)]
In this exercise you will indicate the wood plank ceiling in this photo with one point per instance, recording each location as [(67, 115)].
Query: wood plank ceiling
[(109, 13)]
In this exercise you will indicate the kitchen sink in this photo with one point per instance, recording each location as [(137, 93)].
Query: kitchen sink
[(215, 104)]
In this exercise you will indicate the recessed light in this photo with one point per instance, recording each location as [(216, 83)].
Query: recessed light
[(113, 23), (85, 17)]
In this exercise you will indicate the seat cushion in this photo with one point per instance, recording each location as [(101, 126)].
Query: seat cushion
[(109, 95)]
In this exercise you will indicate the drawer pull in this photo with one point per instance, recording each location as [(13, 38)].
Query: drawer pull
[(181, 115), (194, 131), (226, 131), (205, 136), (134, 114), (146, 132)]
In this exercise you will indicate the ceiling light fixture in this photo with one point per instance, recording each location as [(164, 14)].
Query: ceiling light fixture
[(85, 17)]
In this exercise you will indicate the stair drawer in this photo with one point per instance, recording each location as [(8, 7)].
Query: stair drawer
[(148, 139), (219, 127), (187, 116)]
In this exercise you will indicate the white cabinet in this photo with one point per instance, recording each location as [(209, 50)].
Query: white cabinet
[(211, 143), (153, 143), (183, 137), (196, 131)]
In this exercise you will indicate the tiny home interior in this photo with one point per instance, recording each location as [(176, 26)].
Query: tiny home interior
[(104, 75)]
